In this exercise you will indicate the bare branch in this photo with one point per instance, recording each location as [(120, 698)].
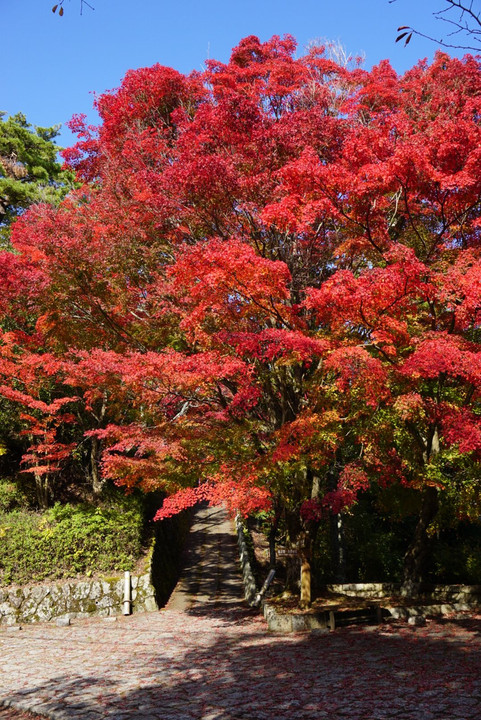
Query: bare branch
[(463, 19), (59, 7)]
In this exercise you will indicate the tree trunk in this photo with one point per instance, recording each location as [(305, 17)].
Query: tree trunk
[(95, 477), (338, 553), (417, 554), (305, 553), (272, 547), (292, 574), (42, 487), (272, 536), (305, 601)]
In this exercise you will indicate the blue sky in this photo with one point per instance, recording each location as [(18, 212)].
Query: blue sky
[(56, 63)]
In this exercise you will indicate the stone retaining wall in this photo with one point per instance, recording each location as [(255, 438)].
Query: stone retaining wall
[(66, 599), (468, 594), (70, 599), (365, 590)]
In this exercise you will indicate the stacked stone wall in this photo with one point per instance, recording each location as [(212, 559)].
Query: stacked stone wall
[(71, 599), (66, 599)]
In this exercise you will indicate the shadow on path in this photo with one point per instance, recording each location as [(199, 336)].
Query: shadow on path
[(208, 657), (360, 674), (210, 573)]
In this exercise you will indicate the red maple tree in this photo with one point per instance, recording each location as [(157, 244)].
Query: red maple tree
[(275, 266)]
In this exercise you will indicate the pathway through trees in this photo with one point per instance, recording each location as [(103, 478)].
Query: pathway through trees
[(207, 657)]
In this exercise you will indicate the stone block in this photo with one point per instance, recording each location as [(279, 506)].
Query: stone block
[(15, 598), (37, 593), (67, 588), (10, 620), (95, 592), (81, 591), (417, 620), (57, 595), (144, 582), (63, 621), (45, 610), (107, 586), (277, 622), (150, 604), (300, 623), (105, 602), (399, 613), (6, 610)]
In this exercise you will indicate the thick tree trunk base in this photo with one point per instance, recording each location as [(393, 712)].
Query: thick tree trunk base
[(417, 555), (305, 601), (42, 487)]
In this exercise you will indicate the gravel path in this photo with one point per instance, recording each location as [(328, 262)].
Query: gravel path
[(207, 657)]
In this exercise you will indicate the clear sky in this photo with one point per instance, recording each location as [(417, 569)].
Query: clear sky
[(53, 64)]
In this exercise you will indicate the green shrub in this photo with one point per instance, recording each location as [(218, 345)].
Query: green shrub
[(11, 496), (457, 562), (69, 540)]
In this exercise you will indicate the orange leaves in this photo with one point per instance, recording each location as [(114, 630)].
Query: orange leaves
[(442, 354), (146, 98), (268, 345), (359, 374), (266, 71), (161, 382), (312, 437), (459, 290), (226, 281), (182, 500), (36, 374), (235, 496), (137, 456), (462, 427), (352, 480), (410, 406), (29, 401), (377, 299)]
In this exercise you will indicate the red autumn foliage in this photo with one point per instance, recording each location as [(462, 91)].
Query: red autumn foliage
[(271, 274)]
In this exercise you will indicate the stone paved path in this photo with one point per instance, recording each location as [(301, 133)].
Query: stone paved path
[(207, 657), (211, 570)]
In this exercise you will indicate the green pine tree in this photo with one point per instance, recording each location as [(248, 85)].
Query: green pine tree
[(29, 169)]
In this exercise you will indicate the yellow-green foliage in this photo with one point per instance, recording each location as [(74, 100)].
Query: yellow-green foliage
[(68, 540)]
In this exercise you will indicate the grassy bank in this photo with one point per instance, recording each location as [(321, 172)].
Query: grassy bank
[(71, 539)]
